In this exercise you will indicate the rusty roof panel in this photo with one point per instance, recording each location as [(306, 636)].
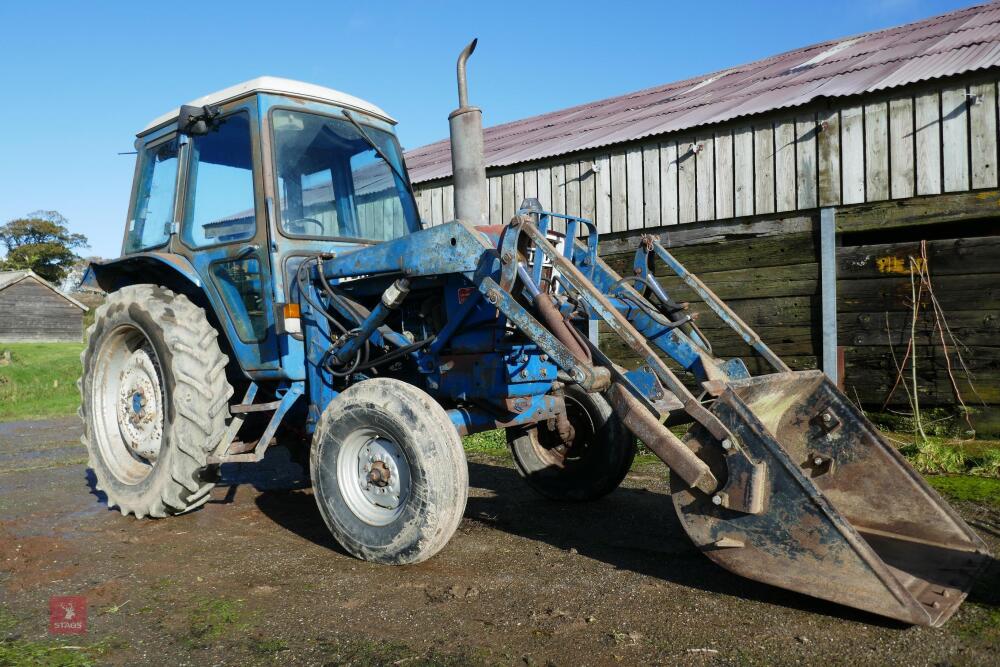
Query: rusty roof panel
[(962, 41)]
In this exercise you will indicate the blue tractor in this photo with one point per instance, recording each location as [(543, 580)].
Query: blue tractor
[(276, 282)]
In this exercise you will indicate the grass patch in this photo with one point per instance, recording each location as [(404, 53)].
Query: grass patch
[(28, 653), (979, 623), (40, 381), (989, 463), (950, 456), (935, 456), (22, 653), (8, 622), (491, 443), (982, 490), (383, 652), (214, 618), (267, 647)]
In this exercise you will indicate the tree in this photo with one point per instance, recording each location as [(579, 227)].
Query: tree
[(41, 242)]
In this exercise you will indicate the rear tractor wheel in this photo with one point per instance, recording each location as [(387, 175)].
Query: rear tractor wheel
[(154, 401), (389, 472), (589, 465)]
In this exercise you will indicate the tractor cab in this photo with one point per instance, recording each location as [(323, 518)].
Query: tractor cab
[(234, 189)]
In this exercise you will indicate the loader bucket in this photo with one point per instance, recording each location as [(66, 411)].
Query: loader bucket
[(845, 517)]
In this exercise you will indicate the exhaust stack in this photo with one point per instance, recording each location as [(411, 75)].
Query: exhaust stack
[(467, 162)]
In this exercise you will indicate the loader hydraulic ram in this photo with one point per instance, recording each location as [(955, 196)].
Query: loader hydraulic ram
[(326, 316)]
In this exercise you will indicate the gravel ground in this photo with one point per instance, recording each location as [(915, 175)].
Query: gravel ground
[(254, 578)]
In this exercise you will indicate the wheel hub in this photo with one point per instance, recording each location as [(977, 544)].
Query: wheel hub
[(375, 477), (379, 472), (140, 416)]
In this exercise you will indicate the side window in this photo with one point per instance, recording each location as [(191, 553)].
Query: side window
[(220, 203), (154, 203)]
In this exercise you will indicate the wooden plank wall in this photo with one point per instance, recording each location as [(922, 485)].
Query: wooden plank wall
[(42, 315), (915, 141), (875, 316)]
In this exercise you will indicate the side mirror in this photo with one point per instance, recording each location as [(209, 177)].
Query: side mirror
[(197, 121)]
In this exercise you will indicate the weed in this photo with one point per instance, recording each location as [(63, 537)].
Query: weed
[(491, 443), (262, 646), (988, 463), (39, 654), (979, 623), (934, 456), (212, 618), (161, 584), (8, 622)]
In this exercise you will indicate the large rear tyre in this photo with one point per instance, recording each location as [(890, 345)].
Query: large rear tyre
[(154, 401), (588, 467), (389, 472)]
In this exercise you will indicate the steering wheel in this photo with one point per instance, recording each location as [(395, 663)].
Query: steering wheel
[(314, 221)]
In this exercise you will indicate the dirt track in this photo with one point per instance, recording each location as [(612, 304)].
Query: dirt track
[(253, 578)]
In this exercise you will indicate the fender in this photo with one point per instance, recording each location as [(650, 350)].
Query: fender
[(139, 268)]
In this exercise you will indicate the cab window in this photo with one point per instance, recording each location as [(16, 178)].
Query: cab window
[(220, 197), (332, 183), (154, 203)]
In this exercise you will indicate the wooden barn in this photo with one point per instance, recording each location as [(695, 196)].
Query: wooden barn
[(33, 311), (809, 190)]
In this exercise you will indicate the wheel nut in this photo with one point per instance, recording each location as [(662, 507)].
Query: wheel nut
[(716, 499)]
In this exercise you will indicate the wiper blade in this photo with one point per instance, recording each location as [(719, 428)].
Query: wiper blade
[(378, 149)]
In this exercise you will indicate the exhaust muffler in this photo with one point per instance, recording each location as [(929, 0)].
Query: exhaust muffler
[(468, 166)]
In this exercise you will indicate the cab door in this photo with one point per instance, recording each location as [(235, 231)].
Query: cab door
[(222, 232)]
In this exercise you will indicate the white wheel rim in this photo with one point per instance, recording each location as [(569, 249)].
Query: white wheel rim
[(127, 396), (374, 477)]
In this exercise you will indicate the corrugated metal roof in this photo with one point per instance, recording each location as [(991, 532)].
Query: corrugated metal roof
[(962, 41)]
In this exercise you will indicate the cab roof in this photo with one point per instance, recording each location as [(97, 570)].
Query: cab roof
[(279, 86)]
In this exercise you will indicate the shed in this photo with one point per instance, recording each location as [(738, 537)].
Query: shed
[(33, 311), (884, 144)]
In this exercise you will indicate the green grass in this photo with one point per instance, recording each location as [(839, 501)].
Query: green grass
[(40, 380), (491, 443), (17, 652), (267, 646), (981, 490), (213, 618)]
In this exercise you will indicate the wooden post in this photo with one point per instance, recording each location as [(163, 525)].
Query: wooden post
[(828, 278)]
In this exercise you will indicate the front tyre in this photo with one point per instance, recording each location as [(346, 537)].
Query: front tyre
[(389, 472), (154, 401)]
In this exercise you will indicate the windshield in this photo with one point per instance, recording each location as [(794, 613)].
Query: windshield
[(333, 184)]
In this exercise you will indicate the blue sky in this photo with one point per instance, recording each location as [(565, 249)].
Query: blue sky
[(78, 79)]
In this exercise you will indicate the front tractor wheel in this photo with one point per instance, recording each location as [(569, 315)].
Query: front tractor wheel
[(590, 465), (154, 401), (389, 472)]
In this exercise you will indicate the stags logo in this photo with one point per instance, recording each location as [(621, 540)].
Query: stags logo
[(67, 615)]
